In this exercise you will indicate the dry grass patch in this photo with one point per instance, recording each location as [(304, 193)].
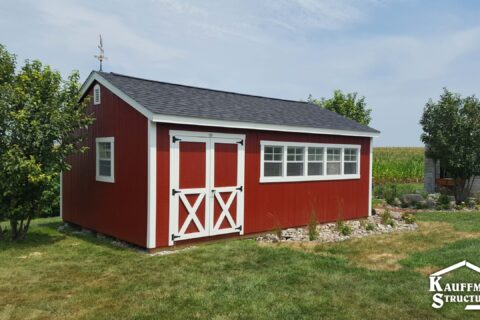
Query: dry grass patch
[(384, 252)]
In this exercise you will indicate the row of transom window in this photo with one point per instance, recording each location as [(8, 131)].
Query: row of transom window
[(295, 161)]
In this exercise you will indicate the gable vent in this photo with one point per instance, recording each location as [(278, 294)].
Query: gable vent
[(96, 94)]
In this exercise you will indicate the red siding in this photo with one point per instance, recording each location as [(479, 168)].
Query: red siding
[(271, 205), (118, 209)]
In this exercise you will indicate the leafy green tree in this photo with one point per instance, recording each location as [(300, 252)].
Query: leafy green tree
[(348, 105), (451, 132), (41, 123)]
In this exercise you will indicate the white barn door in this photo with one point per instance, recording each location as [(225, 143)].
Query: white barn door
[(206, 184)]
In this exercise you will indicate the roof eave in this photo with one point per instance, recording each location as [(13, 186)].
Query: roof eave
[(95, 76), (259, 126)]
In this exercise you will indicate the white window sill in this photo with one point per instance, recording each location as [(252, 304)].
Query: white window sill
[(105, 179), (309, 178)]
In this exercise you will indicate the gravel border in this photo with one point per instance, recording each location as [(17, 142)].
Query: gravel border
[(328, 232)]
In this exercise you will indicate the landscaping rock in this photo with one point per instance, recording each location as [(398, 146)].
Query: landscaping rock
[(412, 198), (328, 232), (397, 202)]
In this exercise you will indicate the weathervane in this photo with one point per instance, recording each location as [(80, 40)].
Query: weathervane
[(101, 56)]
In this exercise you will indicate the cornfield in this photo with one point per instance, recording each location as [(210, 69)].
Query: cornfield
[(398, 165)]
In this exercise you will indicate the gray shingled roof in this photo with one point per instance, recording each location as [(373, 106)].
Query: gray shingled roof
[(179, 100)]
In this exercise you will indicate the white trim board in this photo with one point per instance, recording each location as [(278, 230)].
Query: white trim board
[(152, 186), (370, 179), (94, 76)]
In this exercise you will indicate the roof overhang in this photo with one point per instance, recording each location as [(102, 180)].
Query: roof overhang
[(94, 76)]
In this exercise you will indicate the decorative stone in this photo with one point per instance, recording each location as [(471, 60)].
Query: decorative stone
[(328, 232), (411, 198)]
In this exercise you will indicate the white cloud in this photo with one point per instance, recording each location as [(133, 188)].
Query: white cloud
[(76, 27)]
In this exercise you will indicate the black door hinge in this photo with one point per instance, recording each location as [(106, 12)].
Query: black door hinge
[(239, 228), (240, 142), (175, 139), (174, 237), (174, 192), (240, 189)]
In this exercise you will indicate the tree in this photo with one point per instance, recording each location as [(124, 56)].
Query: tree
[(347, 105), (451, 132), (41, 123)]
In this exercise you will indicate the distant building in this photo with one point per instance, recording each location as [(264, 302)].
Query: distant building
[(436, 177)]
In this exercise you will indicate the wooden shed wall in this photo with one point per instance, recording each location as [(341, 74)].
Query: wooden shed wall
[(280, 204), (117, 209)]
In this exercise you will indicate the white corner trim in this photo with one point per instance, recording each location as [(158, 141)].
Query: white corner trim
[(94, 76), (152, 186), (98, 177), (370, 179)]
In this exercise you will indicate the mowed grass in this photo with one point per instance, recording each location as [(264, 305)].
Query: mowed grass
[(398, 165), (53, 275)]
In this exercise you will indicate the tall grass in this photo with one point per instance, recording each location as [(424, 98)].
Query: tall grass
[(398, 165)]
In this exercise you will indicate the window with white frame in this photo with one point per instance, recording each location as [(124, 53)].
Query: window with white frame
[(105, 159), (96, 94), (295, 161), (350, 161), (300, 161), (334, 161), (315, 161), (273, 161)]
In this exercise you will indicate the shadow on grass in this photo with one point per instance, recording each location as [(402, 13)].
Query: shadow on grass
[(34, 238)]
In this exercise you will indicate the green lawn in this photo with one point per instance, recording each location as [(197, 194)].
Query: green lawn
[(52, 275)]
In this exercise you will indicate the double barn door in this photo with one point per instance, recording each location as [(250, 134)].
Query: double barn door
[(206, 182)]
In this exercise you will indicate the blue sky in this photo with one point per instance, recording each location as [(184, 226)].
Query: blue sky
[(397, 53)]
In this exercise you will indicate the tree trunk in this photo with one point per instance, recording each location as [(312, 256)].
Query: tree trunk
[(14, 228), (463, 188), (20, 228)]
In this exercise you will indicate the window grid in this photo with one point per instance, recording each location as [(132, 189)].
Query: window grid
[(311, 160), (350, 157), (105, 159), (315, 158), (295, 161), (273, 155)]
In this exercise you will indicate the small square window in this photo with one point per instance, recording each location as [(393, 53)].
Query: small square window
[(105, 159), (334, 161), (273, 164), (350, 161)]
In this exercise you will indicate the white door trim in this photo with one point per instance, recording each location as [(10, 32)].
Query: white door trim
[(210, 193)]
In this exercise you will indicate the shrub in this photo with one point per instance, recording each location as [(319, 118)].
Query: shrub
[(370, 226), (278, 232), (388, 192), (363, 223), (387, 218), (409, 217), (471, 203), (443, 202), (343, 228), (312, 227)]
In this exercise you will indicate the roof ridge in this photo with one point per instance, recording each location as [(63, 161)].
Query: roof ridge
[(207, 89)]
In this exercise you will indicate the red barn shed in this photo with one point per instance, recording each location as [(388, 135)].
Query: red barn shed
[(169, 163)]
